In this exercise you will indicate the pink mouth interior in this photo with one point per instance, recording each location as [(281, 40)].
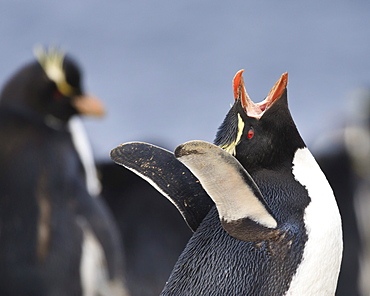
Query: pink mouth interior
[(252, 109)]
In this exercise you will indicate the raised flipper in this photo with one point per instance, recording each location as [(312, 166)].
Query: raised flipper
[(243, 211), (169, 176)]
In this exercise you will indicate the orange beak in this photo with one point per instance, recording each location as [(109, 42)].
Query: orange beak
[(252, 109), (88, 105)]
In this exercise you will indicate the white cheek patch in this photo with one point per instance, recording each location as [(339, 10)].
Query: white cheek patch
[(318, 272)]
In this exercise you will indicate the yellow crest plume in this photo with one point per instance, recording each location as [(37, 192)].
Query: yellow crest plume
[(231, 147), (51, 60)]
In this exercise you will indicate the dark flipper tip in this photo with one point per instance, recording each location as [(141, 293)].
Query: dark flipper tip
[(168, 175)]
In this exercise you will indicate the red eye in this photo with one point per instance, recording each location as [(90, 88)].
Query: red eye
[(250, 133)]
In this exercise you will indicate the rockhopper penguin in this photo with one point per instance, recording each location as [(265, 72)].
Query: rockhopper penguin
[(274, 227), (56, 238)]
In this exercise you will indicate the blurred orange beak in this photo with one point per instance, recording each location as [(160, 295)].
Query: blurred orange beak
[(88, 105)]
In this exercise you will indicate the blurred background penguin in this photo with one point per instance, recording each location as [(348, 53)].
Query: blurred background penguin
[(344, 156), (57, 237)]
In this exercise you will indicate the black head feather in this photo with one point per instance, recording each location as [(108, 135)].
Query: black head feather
[(275, 136), (228, 130), (30, 91)]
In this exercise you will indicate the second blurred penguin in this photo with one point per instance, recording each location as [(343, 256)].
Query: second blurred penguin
[(56, 238)]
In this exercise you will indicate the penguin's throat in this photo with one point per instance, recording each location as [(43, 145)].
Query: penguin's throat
[(256, 110)]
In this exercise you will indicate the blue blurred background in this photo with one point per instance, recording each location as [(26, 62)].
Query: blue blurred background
[(164, 68)]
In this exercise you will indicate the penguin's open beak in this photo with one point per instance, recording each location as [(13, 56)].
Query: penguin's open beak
[(88, 105), (252, 109)]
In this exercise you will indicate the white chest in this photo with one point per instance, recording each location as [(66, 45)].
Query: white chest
[(318, 272)]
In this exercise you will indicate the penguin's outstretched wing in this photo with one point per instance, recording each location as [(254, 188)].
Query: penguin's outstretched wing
[(169, 176), (242, 209)]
